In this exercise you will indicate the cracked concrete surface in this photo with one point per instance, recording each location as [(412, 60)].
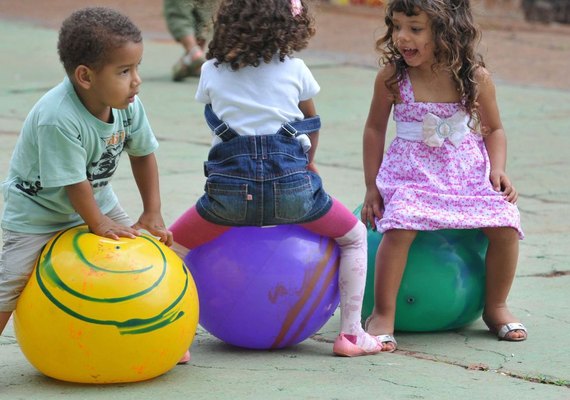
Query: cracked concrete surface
[(468, 363)]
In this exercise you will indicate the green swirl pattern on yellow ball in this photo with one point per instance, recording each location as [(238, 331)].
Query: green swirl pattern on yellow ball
[(53, 281)]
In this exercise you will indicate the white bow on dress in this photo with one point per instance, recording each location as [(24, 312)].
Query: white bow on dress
[(435, 129)]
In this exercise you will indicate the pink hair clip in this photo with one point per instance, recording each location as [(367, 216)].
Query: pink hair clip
[(296, 7)]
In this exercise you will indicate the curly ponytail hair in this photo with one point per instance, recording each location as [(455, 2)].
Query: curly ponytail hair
[(249, 32)]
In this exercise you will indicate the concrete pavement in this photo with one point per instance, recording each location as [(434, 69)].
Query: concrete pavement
[(468, 363)]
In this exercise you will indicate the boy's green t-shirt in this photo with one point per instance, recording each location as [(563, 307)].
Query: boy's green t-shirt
[(62, 143)]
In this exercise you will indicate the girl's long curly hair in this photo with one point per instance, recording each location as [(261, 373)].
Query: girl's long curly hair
[(455, 35), (248, 32)]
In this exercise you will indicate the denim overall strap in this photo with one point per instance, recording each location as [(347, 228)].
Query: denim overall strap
[(219, 127), (291, 129), (301, 127)]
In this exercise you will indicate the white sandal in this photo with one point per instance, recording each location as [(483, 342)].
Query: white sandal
[(508, 328), (385, 339)]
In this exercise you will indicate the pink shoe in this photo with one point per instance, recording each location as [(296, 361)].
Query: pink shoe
[(185, 358), (345, 345)]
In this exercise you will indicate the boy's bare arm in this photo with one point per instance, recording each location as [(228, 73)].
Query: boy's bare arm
[(82, 199), (145, 172)]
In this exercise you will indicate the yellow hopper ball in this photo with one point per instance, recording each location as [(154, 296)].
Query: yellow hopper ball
[(97, 310)]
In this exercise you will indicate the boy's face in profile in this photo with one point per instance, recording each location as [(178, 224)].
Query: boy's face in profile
[(116, 83)]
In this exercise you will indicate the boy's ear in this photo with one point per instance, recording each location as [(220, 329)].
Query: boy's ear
[(83, 76)]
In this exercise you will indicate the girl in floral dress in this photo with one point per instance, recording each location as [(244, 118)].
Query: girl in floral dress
[(446, 167)]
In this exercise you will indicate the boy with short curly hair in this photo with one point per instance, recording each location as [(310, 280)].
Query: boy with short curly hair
[(69, 149)]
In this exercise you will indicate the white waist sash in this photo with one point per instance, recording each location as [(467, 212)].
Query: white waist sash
[(434, 130)]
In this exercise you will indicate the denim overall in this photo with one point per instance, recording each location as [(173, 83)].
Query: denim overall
[(261, 180)]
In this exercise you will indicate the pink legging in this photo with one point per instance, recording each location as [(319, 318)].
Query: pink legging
[(191, 230)]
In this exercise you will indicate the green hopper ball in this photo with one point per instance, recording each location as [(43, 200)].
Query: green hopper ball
[(443, 286)]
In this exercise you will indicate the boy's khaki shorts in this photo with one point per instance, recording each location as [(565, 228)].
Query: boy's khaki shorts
[(18, 258)]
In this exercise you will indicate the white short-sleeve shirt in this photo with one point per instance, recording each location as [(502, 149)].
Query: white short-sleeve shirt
[(257, 100)]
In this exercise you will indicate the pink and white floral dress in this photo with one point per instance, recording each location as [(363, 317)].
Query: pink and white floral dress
[(435, 174)]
